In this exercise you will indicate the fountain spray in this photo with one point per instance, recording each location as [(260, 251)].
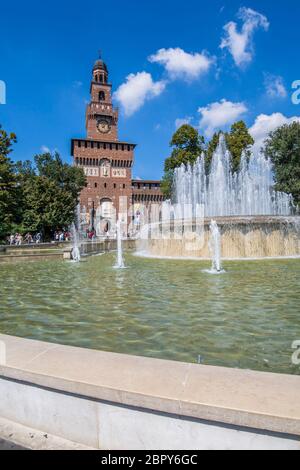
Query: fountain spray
[(120, 260), (75, 236), (215, 247)]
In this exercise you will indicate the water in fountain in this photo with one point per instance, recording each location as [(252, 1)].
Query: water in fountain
[(120, 260), (248, 192), (75, 233), (215, 248)]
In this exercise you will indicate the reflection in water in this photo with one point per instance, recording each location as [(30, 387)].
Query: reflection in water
[(170, 309)]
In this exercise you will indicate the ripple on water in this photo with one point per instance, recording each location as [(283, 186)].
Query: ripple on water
[(170, 309)]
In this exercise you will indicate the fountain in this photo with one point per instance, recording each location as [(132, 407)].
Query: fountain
[(222, 193), (75, 237), (120, 260), (215, 248), (255, 220)]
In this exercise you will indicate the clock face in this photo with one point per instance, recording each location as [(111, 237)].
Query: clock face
[(103, 126)]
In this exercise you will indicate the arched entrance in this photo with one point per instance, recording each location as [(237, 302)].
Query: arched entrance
[(106, 218)]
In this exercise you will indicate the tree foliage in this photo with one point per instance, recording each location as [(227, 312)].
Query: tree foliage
[(283, 148), (8, 183), (211, 148), (238, 140), (50, 192), (167, 183), (39, 196), (187, 147)]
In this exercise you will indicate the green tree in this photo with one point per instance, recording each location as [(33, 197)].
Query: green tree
[(8, 184), (211, 148), (283, 148), (167, 183), (238, 140), (187, 147), (50, 192)]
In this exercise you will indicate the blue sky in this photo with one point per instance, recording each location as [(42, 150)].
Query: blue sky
[(171, 51)]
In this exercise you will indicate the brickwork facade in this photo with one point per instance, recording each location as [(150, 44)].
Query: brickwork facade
[(107, 162)]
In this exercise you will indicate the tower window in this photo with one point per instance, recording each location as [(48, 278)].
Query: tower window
[(105, 185), (96, 185), (101, 96)]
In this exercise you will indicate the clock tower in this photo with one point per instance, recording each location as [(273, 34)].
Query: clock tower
[(101, 116), (106, 160)]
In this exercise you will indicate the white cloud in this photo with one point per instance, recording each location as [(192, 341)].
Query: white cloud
[(264, 124), (45, 149), (136, 90), (240, 44), (275, 87), (218, 115), (181, 121), (181, 64)]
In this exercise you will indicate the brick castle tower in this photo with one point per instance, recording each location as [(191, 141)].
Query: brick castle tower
[(107, 162)]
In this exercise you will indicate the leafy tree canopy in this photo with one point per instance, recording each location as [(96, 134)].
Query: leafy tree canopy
[(50, 192), (39, 196), (8, 183), (238, 140), (283, 148), (187, 147)]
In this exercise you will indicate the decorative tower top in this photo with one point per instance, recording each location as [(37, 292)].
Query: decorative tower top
[(101, 116), (100, 71)]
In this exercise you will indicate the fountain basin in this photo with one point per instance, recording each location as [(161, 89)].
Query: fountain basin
[(247, 318), (241, 238), (79, 397)]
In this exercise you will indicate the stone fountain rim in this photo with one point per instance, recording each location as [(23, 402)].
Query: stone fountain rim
[(235, 220)]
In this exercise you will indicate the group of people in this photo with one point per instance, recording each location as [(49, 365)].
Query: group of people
[(18, 239), (61, 236), (58, 236)]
